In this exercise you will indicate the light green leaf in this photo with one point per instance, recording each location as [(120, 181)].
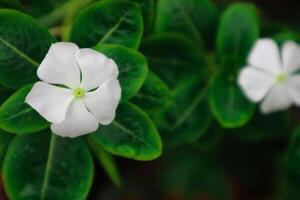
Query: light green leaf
[(46, 166), (131, 135), (23, 45), (18, 117), (132, 67), (109, 21)]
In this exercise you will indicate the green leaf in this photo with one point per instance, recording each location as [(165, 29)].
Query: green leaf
[(154, 96), (196, 19), (227, 102), (4, 94), (286, 36), (238, 30), (131, 135), (107, 161), (172, 57), (294, 151), (188, 117), (147, 7), (109, 21), (18, 117), (23, 45), (5, 139), (132, 66), (46, 166)]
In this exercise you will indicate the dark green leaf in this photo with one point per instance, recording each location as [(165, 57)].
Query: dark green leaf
[(46, 166), (227, 102), (132, 67), (172, 57), (132, 135), (237, 32), (109, 21), (147, 7), (106, 160), (154, 96), (23, 45), (294, 151), (188, 117), (5, 139), (196, 19), (4, 94), (18, 117)]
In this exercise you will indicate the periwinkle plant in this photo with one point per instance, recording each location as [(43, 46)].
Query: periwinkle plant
[(178, 63)]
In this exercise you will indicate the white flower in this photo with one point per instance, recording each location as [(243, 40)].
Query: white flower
[(79, 90), (271, 75)]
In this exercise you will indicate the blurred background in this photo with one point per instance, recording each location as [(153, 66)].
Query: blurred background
[(247, 163)]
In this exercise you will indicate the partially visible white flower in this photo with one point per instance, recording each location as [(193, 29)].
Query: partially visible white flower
[(79, 90), (271, 75)]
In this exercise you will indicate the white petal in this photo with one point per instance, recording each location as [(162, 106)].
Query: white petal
[(294, 88), (277, 99), (291, 57), (60, 65), (96, 68), (79, 121), (255, 83), (50, 101), (103, 102), (265, 55)]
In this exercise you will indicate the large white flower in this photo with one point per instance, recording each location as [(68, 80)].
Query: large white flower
[(79, 90), (271, 75)]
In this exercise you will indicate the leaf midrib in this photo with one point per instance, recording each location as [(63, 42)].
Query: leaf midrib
[(190, 109), (20, 53), (189, 21), (126, 130), (48, 166), (18, 114), (113, 28)]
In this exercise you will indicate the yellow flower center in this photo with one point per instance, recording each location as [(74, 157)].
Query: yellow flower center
[(280, 78), (79, 93)]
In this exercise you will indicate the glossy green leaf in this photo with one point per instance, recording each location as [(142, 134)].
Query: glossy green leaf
[(154, 96), (18, 117), (227, 102), (147, 7), (23, 45), (196, 19), (5, 139), (237, 32), (107, 161), (131, 135), (188, 116), (172, 57), (46, 166), (132, 67), (109, 21)]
